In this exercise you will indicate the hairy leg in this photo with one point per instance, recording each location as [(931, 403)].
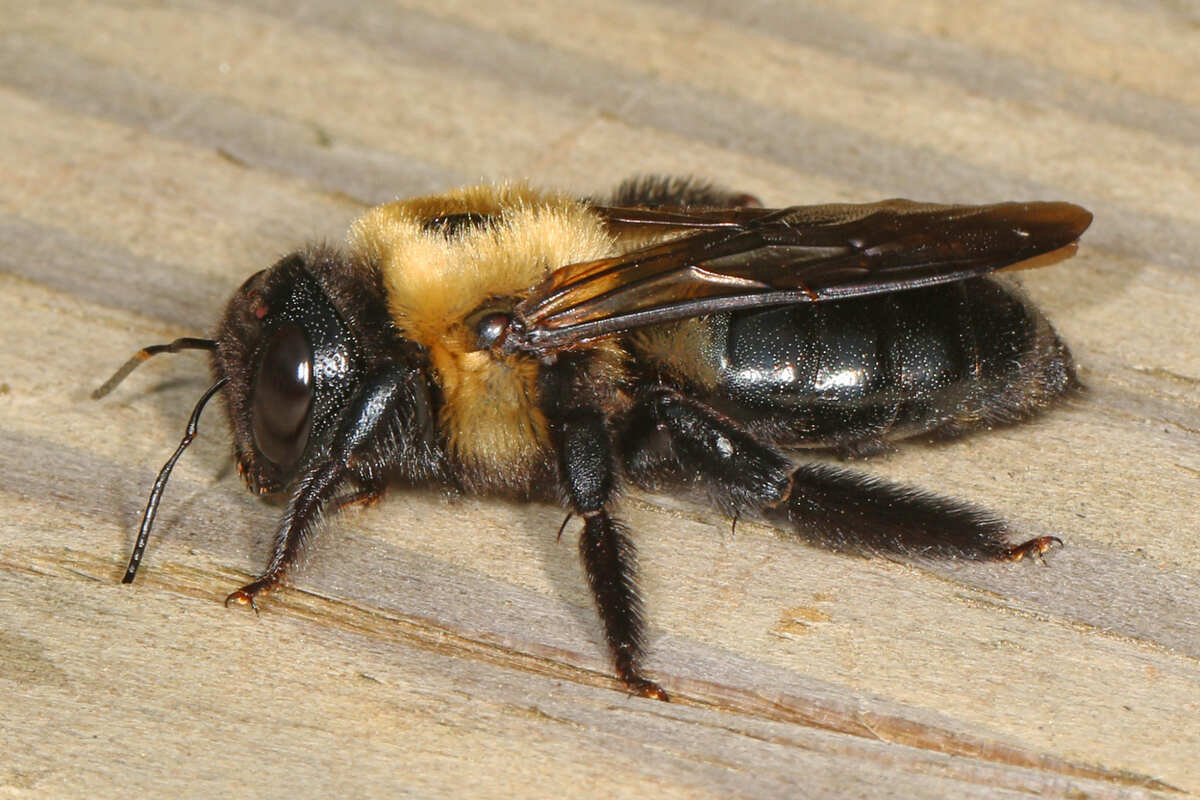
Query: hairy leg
[(828, 506), (589, 475), (361, 445)]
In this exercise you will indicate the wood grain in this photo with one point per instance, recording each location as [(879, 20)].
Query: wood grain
[(153, 155)]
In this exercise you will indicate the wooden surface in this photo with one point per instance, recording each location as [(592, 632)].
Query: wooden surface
[(152, 155)]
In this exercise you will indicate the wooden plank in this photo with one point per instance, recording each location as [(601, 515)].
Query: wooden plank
[(153, 155)]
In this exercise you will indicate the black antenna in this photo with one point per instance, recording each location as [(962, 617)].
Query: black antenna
[(185, 343), (160, 484)]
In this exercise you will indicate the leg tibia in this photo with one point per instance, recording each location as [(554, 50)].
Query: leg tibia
[(610, 560), (825, 505), (848, 511)]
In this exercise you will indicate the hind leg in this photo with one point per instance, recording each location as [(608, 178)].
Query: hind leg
[(828, 506), (664, 190)]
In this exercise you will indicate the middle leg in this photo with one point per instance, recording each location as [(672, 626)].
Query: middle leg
[(589, 476)]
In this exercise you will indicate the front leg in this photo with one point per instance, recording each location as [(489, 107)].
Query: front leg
[(366, 442), (581, 436), (315, 488)]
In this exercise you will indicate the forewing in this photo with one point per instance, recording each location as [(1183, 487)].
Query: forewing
[(751, 257)]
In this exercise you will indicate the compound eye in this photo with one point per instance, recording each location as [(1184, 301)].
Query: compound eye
[(280, 411)]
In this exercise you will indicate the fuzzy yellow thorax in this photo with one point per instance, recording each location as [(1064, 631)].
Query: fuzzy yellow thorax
[(433, 283)]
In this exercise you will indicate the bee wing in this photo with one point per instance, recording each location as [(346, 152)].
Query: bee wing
[(728, 259)]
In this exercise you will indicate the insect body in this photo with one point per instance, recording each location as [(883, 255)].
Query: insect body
[(507, 341)]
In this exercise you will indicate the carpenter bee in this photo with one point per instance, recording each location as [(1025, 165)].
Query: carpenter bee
[(508, 341)]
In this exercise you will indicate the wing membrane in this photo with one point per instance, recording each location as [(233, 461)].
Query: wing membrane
[(738, 258)]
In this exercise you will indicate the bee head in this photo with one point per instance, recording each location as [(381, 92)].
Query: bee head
[(295, 343)]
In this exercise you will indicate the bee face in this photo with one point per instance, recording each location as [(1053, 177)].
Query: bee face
[(293, 363)]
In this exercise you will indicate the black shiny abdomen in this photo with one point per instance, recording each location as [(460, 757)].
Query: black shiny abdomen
[(852, 374)]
